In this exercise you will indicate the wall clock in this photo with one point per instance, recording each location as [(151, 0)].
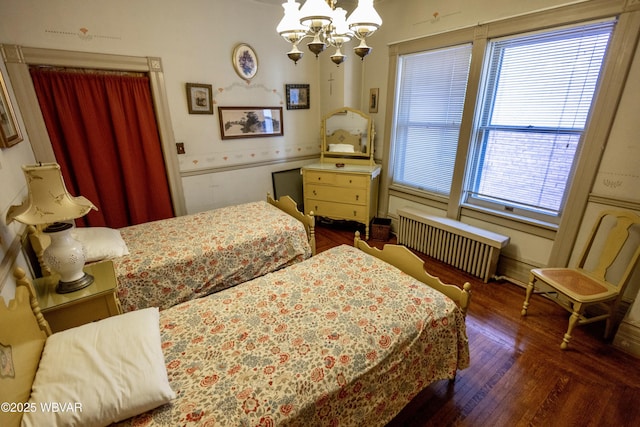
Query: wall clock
[(245, 61)]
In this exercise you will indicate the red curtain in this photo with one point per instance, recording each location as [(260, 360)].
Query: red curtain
[(105, 138)]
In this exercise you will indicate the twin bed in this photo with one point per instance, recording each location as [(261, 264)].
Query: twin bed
[(175, 260), (346, 337)]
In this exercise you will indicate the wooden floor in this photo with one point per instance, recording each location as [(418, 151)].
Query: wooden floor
[(518, 374)]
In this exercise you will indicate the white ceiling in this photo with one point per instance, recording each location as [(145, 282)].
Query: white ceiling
[(345, 4)]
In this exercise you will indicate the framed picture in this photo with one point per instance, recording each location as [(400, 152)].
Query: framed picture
[(9, 130), (199, 98), (297, 97), (250, 122), (245, 61), (373, 100)]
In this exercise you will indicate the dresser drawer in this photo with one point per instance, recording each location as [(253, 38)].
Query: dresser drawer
[(337, 210), (356, 196), (339, 179)]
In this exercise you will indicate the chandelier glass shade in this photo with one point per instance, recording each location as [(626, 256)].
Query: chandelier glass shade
[(327, 24)]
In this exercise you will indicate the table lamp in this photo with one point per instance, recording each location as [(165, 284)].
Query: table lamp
[(50, 204)]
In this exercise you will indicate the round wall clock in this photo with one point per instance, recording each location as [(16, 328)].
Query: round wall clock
[(245, 61)]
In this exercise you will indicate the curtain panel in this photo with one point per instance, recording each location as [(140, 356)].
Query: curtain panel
[(105, 137)]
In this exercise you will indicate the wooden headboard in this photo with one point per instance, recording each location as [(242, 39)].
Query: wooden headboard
[(23, 332), (288, 205), (342, 136)]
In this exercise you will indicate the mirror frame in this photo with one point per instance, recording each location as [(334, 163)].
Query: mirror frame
[(348, 156)]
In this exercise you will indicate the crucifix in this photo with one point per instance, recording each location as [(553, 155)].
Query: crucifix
[(331, 79)]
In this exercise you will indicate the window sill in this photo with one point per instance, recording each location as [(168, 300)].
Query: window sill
[(516, 222)]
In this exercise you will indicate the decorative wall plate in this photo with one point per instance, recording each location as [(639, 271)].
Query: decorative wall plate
[(245, 61)]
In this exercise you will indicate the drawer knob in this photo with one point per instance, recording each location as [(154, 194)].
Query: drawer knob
[(319, 178), (355, 213), (350, 181), (314, 193), (357, 197)]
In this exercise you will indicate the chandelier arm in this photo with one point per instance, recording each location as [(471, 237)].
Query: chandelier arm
[(328, 25)]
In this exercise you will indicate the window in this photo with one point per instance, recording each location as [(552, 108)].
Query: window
[(534, 97), (537, 97), (431, 93)]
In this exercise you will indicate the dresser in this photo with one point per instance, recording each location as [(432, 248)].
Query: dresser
[(348, 193), (343, 185)]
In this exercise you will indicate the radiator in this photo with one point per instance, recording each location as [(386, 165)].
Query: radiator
[(471, 249)]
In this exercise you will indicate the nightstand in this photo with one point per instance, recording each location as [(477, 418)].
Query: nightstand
[(96, 301)]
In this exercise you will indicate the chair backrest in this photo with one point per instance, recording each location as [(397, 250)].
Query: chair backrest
[(613, 248)]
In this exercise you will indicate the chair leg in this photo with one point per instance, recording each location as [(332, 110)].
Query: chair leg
[(573, 320), (612, 320), (525, 306)]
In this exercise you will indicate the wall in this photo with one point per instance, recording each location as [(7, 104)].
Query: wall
[(194, 39), (13, 191)]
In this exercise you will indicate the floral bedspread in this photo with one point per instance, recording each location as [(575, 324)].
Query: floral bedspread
[(179, 259), (339, 339)]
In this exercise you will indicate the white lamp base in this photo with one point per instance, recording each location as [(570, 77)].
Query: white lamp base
[(66, 256)]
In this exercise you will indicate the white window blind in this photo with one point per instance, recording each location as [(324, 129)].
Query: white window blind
[(537, 97), (430, 98)]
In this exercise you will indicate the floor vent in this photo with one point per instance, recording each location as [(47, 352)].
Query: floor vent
[(471, 249)]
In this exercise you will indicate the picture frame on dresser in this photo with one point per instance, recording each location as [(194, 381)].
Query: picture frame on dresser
[(10, 133), (250, 122)]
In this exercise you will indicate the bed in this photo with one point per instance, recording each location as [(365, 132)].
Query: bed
[(342, 338), (163, 263)]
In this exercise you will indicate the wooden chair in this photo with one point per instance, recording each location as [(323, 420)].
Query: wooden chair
[(603, 271)]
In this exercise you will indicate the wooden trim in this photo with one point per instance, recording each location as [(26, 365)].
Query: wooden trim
[(622, 49), (402, 258)]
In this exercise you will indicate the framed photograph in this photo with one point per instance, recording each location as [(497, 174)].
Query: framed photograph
[(374, 95), (250, 122), (245, 61), (199, 98), (297, 97), (9, 130)]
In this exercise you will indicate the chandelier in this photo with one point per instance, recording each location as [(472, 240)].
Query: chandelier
[(328, 25)]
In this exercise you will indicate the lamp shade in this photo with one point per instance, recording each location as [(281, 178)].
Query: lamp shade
[(290, 22), (48, 200), (364, 20), (315, 14)]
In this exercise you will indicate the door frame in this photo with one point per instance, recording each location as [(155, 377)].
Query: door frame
[(18, 59)]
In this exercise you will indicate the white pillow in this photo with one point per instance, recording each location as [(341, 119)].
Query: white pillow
[(101, 242), (101, 372), (341, 148)]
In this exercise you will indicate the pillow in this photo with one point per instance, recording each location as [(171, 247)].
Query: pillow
[(100, 242), (101, 372), (342, 148)]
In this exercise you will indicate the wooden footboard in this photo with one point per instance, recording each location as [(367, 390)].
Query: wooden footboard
[(288, 205), (401, 257)]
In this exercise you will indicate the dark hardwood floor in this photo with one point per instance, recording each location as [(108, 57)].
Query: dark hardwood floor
[(518, 374)]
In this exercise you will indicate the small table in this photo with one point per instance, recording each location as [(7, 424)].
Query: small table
[(95, 302)]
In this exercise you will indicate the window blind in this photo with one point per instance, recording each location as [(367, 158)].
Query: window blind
[(539, 90), (431, 90)]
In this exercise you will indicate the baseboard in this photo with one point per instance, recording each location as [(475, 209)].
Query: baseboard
[(627, 338)]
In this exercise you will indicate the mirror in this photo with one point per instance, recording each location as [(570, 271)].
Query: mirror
[(347, 133)]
